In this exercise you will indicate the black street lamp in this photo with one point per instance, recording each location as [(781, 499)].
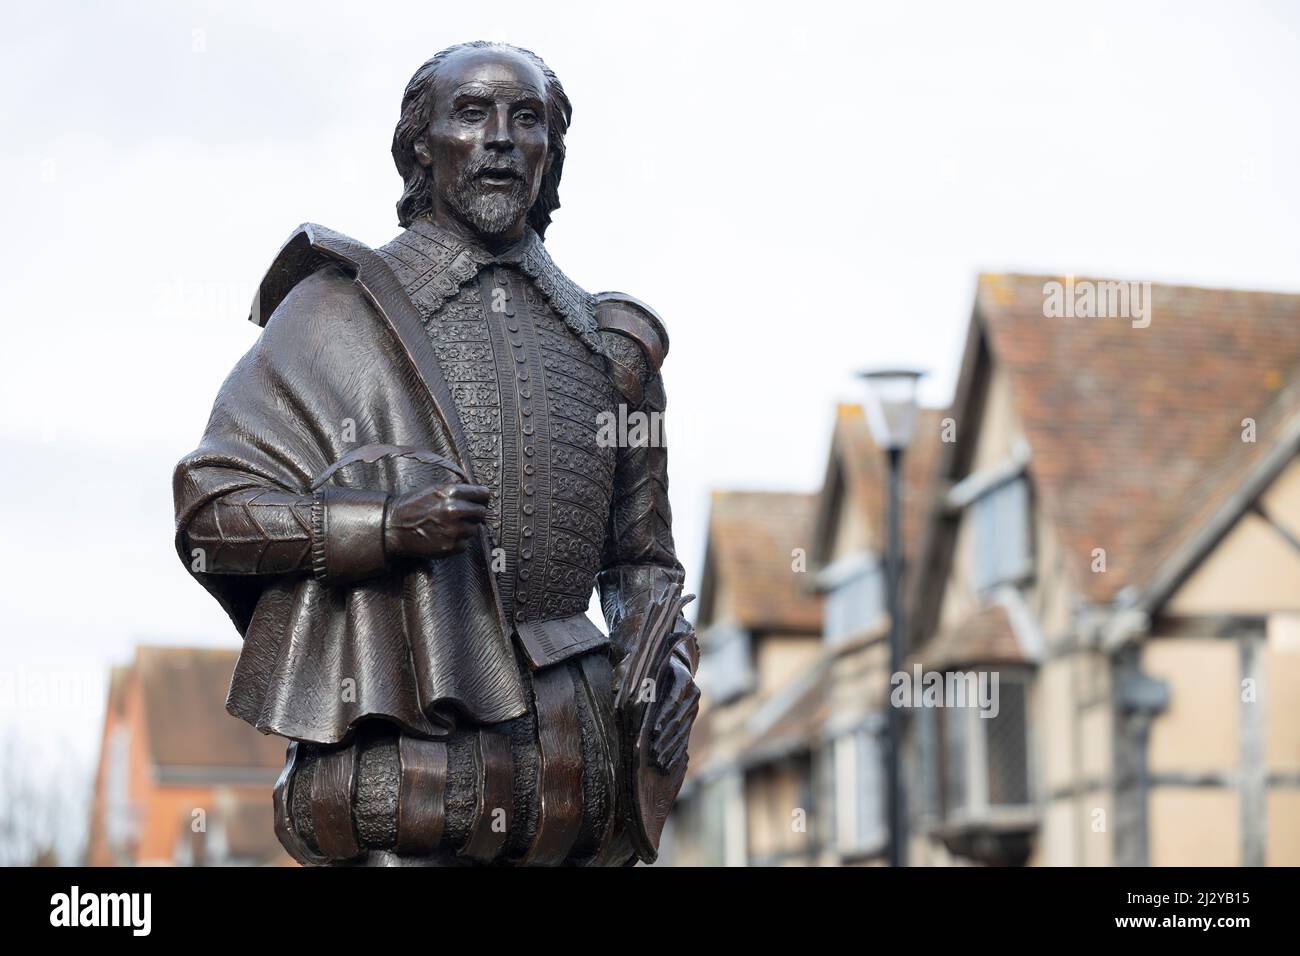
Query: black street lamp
[(891, 415)]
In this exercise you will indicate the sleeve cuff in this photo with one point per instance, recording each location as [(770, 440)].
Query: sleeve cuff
[(348, 534)]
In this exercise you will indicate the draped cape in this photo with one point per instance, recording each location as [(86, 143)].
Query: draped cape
[(421, 647)]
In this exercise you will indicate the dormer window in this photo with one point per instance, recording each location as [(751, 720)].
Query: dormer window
[(1001, 543), (854, 589)]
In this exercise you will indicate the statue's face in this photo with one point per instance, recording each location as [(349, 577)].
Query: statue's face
[(486, 144)]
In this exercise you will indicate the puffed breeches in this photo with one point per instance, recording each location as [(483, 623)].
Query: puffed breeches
[(537, 790)]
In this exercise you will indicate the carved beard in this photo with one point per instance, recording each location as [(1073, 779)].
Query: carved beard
[(489, 209)]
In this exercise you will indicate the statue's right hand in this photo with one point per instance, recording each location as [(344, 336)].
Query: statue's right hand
[(434, 521)]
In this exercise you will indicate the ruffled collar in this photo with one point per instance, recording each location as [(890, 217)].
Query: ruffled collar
[(432, 264)]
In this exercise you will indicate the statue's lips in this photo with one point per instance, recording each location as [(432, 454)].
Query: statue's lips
[(498, 177)]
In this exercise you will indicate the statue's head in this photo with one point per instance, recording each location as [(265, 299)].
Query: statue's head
[(481, 138)]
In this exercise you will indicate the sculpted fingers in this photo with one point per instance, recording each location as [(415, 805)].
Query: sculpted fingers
[(459, 510), (450, 521), (673, 733), (670, 759), (435, 521), (674, 759), (478, 494), (680, 724)]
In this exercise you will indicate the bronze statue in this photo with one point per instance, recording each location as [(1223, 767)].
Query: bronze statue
[(404, 498)]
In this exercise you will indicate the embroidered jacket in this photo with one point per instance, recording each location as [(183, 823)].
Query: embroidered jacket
[(535, 366)]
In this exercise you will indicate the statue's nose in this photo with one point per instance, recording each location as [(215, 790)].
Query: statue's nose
[(497, 134)]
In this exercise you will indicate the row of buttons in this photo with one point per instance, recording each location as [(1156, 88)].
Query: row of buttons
[(502, 295)]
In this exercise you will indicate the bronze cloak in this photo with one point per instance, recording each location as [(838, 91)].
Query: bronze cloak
[(423, 647)]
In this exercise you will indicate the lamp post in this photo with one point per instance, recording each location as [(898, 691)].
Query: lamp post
[(891, 416)]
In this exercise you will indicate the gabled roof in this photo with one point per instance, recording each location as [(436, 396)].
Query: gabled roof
[(855, 477), (183, 690), (752, 535), (1226, 490), (1135, 434)]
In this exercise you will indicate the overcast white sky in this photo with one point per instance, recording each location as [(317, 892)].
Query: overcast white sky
[(801, 189)]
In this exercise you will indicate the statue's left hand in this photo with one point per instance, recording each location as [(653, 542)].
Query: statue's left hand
[(676, 708)]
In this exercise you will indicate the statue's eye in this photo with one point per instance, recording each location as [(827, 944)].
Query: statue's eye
[(472, 114), (527, 118)]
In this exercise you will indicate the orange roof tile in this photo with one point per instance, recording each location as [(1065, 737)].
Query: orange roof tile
[(864, 467), (752, 535), (184, 692), (1136, 433), (985, 637)]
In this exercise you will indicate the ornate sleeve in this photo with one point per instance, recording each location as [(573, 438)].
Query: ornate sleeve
[(639, 558), (335, 534)]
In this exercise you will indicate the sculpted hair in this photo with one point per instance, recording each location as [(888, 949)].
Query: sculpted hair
[(417, 113)]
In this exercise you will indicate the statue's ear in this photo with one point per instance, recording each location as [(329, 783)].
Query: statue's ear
[(422, 154)]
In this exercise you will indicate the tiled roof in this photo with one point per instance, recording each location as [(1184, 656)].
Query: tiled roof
[(985, 637), (184, 693), (800, 713), (752, 535), (863, 467), (1136, 433)]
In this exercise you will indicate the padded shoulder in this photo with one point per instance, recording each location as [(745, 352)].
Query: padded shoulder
[(632, 318), (308, 249)]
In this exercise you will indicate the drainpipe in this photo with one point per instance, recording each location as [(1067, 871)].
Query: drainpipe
[(1139, 698)]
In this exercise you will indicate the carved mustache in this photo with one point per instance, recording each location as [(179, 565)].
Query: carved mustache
[(494, 167)]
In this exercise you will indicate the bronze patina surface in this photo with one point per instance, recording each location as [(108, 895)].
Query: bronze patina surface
[(407, 491)]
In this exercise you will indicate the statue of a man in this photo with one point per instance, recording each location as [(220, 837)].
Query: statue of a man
[(405, 496)]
